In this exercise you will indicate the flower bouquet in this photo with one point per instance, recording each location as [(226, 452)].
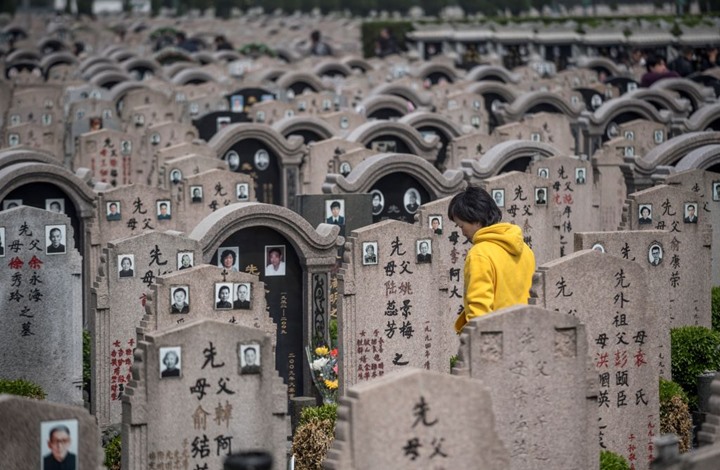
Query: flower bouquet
[(324, 368)]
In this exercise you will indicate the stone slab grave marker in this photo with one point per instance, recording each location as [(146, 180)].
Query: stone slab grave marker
[(113, 156), (201, 391), (416, 419), (41, 302), (120, 294), (535, 363), (608, 294), (669, 266), (26, 429), (394, 307), (329, 156)]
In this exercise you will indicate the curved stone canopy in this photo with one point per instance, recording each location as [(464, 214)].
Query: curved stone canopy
[(355, 62), (497, 157), (288, 79), (286, 149), (419, 119), (141, 62), (56, 58), (9, 157), (290, 125), (703, 117), (426, 69), (671, 151), (369, 131), (595, 63), (109, 79), (507, 92), (405, 92), (328, 66), (700, 159), (482, 72), (664, 98), (613, 108), (373, 104), (527, 101), (195, 75), (369, 171), (695, 92)]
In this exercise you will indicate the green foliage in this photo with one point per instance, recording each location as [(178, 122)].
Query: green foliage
[(22, 388), (695, 349), (333, 332), (674, 413), (453, 361), (715, 303), (320, 413), (371, 32), (113, 453), (612, 461), (311, 443), (257, 49)]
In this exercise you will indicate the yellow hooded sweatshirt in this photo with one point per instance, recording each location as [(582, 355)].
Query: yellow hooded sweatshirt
[(498, 272)]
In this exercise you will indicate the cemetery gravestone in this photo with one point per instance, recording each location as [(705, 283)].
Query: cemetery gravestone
[(42, 302)]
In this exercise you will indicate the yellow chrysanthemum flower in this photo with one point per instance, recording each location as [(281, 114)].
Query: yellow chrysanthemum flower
[(331, 384), (322, 351)]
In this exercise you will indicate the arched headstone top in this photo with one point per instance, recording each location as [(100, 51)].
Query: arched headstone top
[(290, 125), (507, 92), (308, 241), (122, 54), (701, 158), (492, 73), (332, 67), (373, 104), (110, 78), (203, 57), (23, 55), (57, 58), (428, 68), (427, 119), (269, 74), (671, 151), (141, 62), (596, 63), (369, 131), (226, 56), (24, 155), (664, 98), (21, 174), (193, 76), (498, 156), (695, 92), (119, 91), (288, 150), (100, 67), (405, 92), (169, 55), (355, 62), (527, 101), (703, 118), (289, 79), (606, 113), (93, 60), (372, 169)]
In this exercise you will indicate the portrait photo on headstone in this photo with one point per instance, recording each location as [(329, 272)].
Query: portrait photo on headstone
[(541, 196), (716, 191), (179, 299), (262, 159), (370, 250), (155, 138), (59, 444), (435, 222), (228, 258), (241, 189), (164, 210), (275, 260), (2, 242), (233, 160), (411, 200), (690, 212), (249, 358), (498, 196), (645, 214), (11, 203), (222, 122), (598, 247), (175, 176), (535, 137), (185, 259), (112, 211), (170, 361), (630, 151), (580, 175), (629, 135), (335, 211), (13, 140), (243, 293), (126, 265), (659, 136), (345, 168), (223, 294), (125, 147), (139, 120), (260, 116), (543, 173), (55, 236), (378, 201), (423, 251), (655, 254), (196, 194), (237, 103), (55, 205)]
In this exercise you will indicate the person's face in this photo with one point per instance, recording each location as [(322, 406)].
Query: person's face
[(691, 211), (125, 264), (55, 207), (185, 260), (179, 297), (59, 445), (413, 198), (275, 258), (163, 210), (376, 200), (335, 211), (250, 357), (645, 212), (196, 193), (113, 209), (656, 253), (242, 292), (468, 229), (171, 360), (423, 248), (228, 261), (498, 198), (224, 293), (370, 250), (541, 194), (55, 237), (435, 224)]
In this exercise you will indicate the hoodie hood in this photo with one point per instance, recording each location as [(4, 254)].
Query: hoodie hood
[(507, 236)]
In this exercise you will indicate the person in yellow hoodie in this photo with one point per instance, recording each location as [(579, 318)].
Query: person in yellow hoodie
[(499, 267)]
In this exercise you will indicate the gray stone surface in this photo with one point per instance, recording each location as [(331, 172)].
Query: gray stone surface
[(417, 419), (27, 423), (41, 303), (709, 433), (607, 294), (214, 407), (535, 363)]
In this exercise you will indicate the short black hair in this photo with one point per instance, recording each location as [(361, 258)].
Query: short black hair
[(59, 428), (652, 60), (225, 288), (276, 250), (644, 208), (335, 204), (180, 289), (226, 253), (691, 206), (474, 205)]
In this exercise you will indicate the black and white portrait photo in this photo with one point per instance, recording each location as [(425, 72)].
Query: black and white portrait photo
[(126, 265), (233, 160), (175, 176), (125, 147), (155, 138), (243, 291), (185, 259), (644, 214), (222, 122), (275, 260), (690, 213), (629, 135), (378, 201), (630, 151), (655, 254), (179, 299), (659, 136), (345, 168), (223, 295), (369, 250), (11, 203), (59, 445), (436, 223), (55, 236), (163, 210), (540, 196), (498, 196), (598, 247), (543, 173), (716, 191), (423, 251), (170, 361), (411, 200), (249, 355), (262, 159), (196, 194), (260, 116), (228, 258), (580, 175), (55, 205), (2, 242), (335, 212), (241, 189), (112, 210)]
